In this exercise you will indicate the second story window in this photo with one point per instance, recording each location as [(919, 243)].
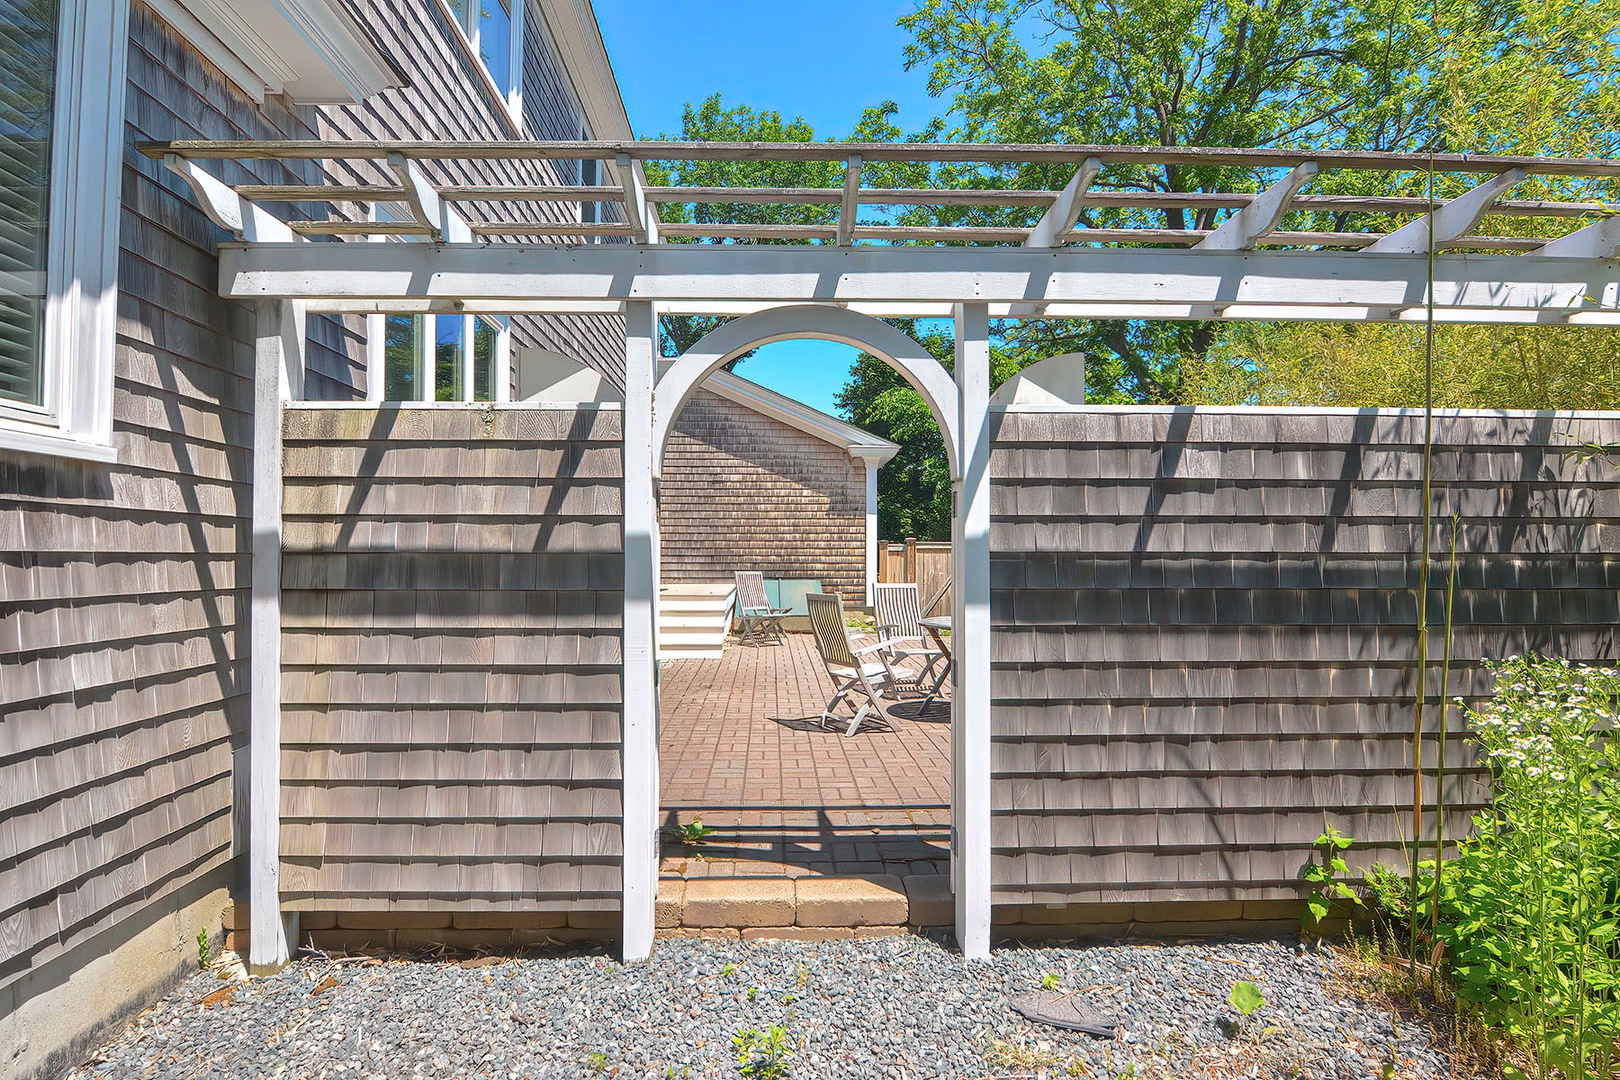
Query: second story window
[(494, 30)]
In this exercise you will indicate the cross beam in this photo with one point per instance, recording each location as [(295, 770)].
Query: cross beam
[(916, 280)]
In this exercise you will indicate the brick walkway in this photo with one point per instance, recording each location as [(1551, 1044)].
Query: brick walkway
[(740, 744)]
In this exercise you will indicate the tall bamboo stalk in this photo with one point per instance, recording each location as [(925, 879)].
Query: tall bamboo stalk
[(1423, 589), (1445, 704)]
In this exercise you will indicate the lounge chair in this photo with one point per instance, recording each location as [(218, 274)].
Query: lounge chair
[(852, 675), (761, 623), (898, 627)]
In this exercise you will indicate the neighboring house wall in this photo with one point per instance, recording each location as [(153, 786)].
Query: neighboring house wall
[(1204, 632), (742, 491), (452, 609)]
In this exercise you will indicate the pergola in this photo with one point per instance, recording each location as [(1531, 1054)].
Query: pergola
[(1272, 254)]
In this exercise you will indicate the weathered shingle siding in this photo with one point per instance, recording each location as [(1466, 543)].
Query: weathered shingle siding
[(743, 491), (1204, 631), (123, 589), (452, 605)]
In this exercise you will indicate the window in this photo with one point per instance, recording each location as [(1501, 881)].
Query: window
[(61, 145), (27, 94), (493, 29), (405, 357)]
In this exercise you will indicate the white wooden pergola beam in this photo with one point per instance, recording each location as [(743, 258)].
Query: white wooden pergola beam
[(1245, 227), (1059, 219), (641, 215), (907, 278), (849, 206), (224, 207), (1451, 219), (1599, 240), (443, 223)]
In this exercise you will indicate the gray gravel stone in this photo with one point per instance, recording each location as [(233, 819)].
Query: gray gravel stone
[(904, 1007)]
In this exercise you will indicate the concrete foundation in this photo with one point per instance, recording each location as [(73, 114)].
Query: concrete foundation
[(55, 1015)]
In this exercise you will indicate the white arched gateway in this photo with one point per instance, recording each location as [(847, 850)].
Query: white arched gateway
[(830, 284)]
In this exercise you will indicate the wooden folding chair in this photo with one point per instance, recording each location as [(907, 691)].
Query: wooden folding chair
[(850, 673), (761, 623), (898, 618)]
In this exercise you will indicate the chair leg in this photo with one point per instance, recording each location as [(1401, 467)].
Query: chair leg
[(826, 713), (860, 714)]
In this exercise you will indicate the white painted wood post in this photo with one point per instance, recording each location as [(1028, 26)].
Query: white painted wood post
[(278, 374), (970, 636), (871, 530), (640, 749), (501, 377), (469, 365), (376, 355), (427, 351)]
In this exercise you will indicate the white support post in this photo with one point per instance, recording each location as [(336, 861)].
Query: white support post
[(970, 636), (1054, 226), (1450, 220), (1252, 223), (278, 373), (871, 530), (640, 723), (849, 207), (469, 366), (514, 63)]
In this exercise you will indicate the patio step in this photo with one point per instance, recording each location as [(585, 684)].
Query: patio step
[(807, 908), (693, 620)]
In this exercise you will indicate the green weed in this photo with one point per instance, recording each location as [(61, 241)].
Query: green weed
[(763, 1055)]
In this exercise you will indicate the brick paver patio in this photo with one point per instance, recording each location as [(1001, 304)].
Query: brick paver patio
[(740, 744)]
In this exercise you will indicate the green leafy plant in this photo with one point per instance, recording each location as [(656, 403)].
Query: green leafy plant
[(728, 968), (1049, 981), (202, 948), (1246, 998), (596, 1061), (753, 992), (1325, 874), (763, 1055), (693, 834)]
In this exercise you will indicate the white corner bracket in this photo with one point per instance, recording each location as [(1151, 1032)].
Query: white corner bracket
[(1450, 220), (443, 223), (240, 217), (1254, 222)]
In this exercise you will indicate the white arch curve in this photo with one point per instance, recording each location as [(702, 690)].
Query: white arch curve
[(725, 343)]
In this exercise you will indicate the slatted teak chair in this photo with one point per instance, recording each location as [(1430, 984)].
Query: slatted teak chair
[(761, 623), (851, 673), (899, 628)]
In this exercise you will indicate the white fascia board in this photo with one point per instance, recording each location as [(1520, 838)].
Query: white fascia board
[(1342, 285), (310, 50), (829, 429), (578, 39)]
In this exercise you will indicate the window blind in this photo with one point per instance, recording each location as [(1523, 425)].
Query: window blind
[(28, 30)]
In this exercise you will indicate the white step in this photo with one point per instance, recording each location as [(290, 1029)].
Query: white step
[(693, 620)]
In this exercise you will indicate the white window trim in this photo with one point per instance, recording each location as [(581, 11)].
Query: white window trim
[(81, 304), (467, 24)]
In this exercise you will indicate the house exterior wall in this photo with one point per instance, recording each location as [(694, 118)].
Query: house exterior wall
[(1204, 632), (451, 665), (123, 588), (744, 491)]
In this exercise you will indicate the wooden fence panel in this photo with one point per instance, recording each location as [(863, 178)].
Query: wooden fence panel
[(451, 682), (1204, 630), (926, 562)]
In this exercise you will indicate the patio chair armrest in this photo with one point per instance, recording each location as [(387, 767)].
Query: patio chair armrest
[(781, 611), (871, 648)]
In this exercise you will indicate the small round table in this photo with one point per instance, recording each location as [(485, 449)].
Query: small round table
[(938, 626)]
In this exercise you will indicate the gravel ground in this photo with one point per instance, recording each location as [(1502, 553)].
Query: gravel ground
[(903, 1007)]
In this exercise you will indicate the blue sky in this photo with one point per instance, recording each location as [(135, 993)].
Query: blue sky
[(825, 63)]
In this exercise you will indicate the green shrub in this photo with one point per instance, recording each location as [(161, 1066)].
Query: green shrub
[(1529, 909)]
